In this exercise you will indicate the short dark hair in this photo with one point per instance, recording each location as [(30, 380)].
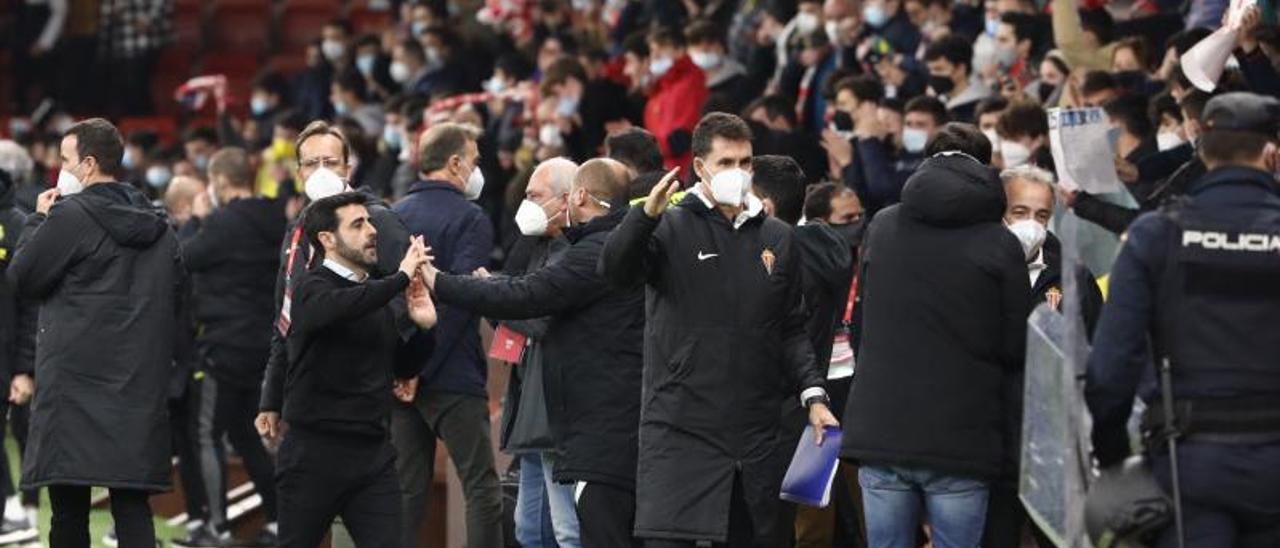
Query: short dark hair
[(1024, 26), (290, 119), (1139, 47), (1099, 22), (780, 179), (272, 82), (560, 71), (1163, 104), (1023, 118), (341, 23), (232, 163), (1184, 40), (644, 183), (1131, 111), (322, 216), (931, 106), (1098, 80), (145, 139), (865, 88), (1194, 102), (703, 31), (321, 127), (201, 133), (351, 80), (1218, 147), (718, 124), (413, 49), (637, 148), (665, 36), (514, 65), (774, 106), (817, 200), (444, 141), (636, 44), (100, 139), (960, 137), (954, 49), (989, 105)]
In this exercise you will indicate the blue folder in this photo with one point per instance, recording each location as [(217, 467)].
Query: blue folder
[(812, 470)]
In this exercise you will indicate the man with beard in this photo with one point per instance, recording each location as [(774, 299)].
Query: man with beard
[(344, 346)]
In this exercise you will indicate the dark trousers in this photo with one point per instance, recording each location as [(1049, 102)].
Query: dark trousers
[(228, 409), (184, 415), (1230, 494), (606, 516), (463, 423), (322, 476), (741, 530), (69, 527), (20, 423)]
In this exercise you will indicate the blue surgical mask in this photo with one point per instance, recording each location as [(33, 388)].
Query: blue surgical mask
[(567, 107), (201, 162), (992, 25), (875, 15), (340, 109), (128, 161), (258, 106), (418, 28), (392, 137), (914, 140), (365, 64), (158, 176)]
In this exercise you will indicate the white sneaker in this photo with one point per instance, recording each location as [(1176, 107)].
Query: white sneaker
[(17, 531)]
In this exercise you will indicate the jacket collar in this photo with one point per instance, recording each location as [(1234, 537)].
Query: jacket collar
[(1237, 176), (681, 69), (754, 207), (433, 184), (603, 223)]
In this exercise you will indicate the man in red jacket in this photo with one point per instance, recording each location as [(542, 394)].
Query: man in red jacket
[(675, 97)]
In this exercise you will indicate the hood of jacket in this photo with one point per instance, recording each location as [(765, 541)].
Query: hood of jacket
[(124, 213), (603, 223), (826, 252), (950, 190)]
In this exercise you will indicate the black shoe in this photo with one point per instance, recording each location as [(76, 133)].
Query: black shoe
[(204, 537), (17, 532)]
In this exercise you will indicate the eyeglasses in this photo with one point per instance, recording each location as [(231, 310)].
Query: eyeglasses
[(328, 163)]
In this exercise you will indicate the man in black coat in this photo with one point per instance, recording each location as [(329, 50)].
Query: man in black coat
[(725, 347), (592, 351), (1030, 193), (106, 268), (232, 258), (17, 345), (322, 152), (346, 344), (945, 301)]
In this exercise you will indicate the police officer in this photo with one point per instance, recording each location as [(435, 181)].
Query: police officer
[(1200, 278)]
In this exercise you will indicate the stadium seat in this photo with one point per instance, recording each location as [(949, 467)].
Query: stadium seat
[(165, 127), (241, 26), (302, 21), (365, 20), (189, 26), (288, 64)]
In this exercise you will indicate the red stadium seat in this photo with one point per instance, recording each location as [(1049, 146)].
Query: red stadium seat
[(164, 126), (365, 20), (302, 23), (288, 64), (241, 26), (239, 70), (189, 28)]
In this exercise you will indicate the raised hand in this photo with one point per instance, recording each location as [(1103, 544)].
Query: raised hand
[(422, 310), (414, 257), (660, 196), (46, 199)]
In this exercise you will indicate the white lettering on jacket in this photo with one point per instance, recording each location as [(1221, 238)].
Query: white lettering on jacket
[(1256, 243)]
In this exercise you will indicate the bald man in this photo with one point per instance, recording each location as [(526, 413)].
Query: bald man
[(180, 197), (592, 350)]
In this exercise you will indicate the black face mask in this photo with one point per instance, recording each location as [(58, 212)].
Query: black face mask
[(851, 233), (1046, 90), (941, 85)]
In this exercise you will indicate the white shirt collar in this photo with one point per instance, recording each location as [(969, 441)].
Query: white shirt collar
[(343, 271), (753, 206), (1037, 266)]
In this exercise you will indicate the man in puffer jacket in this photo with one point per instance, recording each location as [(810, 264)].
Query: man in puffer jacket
[(945, 300)]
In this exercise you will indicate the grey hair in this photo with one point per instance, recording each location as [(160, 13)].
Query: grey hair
[(15, 161), (559, 172), (1031, 174)]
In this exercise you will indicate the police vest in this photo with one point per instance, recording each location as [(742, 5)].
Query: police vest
[(1219, 299)]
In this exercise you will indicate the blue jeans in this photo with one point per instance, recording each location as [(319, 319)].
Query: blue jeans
[(893, 497), (564, 510), (534, 527), (545, 511)]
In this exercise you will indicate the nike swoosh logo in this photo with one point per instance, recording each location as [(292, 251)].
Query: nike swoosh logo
[(704, 256)]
